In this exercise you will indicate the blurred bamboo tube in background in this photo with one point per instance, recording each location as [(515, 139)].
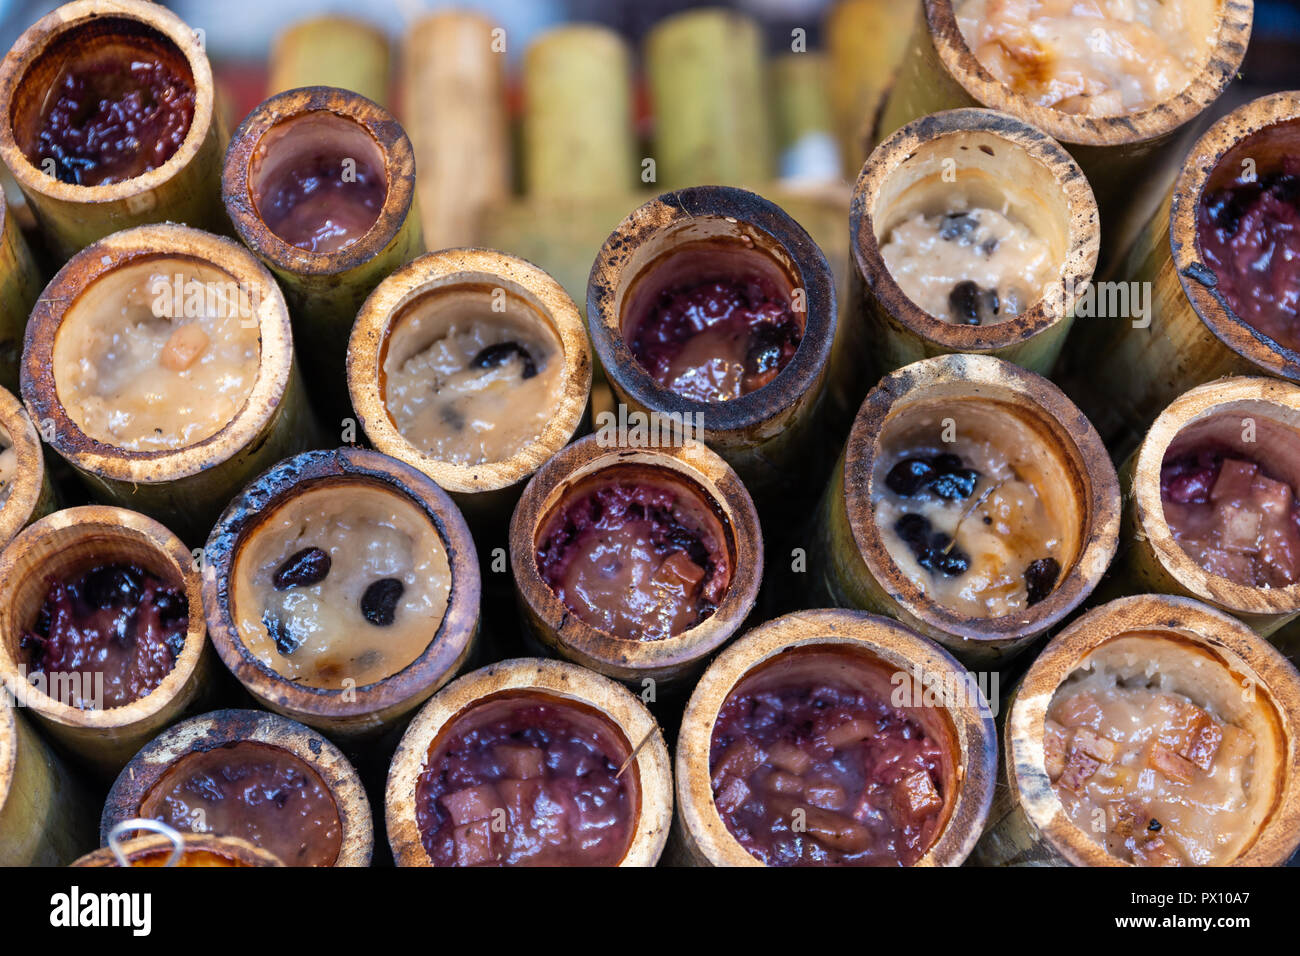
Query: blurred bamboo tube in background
[(806, 149), (452, 96), (705, 70), (577, 120), (331, 50), (866, 41)]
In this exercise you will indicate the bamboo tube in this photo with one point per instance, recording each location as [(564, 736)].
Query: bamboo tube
[(1200, 653), (989, 159), (30, 492), (184, 188), (350, 708), (331, 50), (1124, 372), (869, 654), (577, 121), (337, 816), (761, 434), (706, 76), (68, 543), (400, 320), (453, 99), (190, 849), (184, 487), (1048, 443), (20, 284), (46, 818), (1258, 418), (690, 471), (1128, 158), (866, 41), (291, 134), (614, 716), (806, 150)]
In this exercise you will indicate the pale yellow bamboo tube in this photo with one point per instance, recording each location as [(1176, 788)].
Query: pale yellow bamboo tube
[(453, 103), (46, 818), (710, 105), (186, 188), (577, 123), (866, 41), (331, 50)]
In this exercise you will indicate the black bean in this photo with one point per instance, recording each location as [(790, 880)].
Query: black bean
[(379, 603), (915, 532), (1154, 826), (766, 343), (989, 246), (958, 226), (952, 561), (115, 585), (286, 642), (963, 303), (955, 485), (1040, 578), (908, 476), (946, 463), (499, 354), (170, 605), (302, 569)]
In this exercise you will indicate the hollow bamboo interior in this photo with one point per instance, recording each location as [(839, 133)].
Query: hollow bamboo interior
[(647, 755), (696, 471), (964, 724), (72, 541)]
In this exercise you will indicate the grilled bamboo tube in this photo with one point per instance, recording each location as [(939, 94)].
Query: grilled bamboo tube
[(63, 544), (965, 728), (1064, 458), (184, 487), (1129, 158), (184, 188), (1257, 417), (1245, 676), (1124, 372)]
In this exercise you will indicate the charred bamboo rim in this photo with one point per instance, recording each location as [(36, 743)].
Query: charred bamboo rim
[(29, 480), (758, 228), (946, 381), (700, 472), (28, 71), (448, 645), (1220, 412), (76, 281), (1227, 48), (1004, 156), (375, 128), (234, 851), (1263, 130), (438, 273), (970, 743), (221, 727), (527, 677), (1216, 639), (67, 542)]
